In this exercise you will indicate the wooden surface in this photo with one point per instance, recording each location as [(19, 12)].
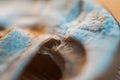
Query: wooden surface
[(113, 6)]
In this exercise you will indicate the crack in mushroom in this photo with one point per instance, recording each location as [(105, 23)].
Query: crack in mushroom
[(64, 59), (42, 67)]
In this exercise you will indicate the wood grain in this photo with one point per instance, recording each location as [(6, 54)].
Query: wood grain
[(113, 6)]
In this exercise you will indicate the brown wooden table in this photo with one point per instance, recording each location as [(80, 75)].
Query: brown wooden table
[(113, 6)]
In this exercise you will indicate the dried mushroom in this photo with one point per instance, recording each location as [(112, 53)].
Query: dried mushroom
[(58, 40)]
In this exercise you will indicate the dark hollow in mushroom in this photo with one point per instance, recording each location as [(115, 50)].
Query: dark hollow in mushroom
[(56, 64), (42, 67)]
